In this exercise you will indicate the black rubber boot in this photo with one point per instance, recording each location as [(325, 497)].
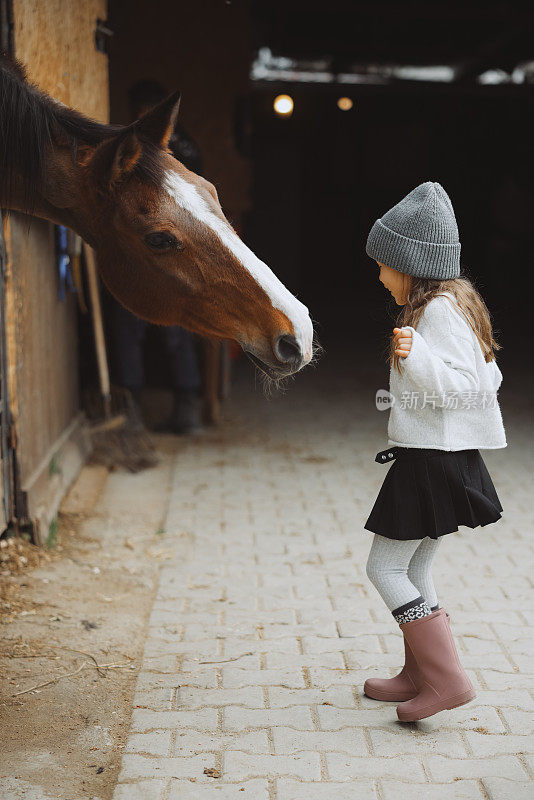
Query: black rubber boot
[(134, 415), (185, 415)]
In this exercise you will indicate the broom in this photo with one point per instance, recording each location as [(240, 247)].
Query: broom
[(114, 443)]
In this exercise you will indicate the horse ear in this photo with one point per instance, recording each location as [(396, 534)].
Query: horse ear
[(115, 158), (158, 124), (127, 154)]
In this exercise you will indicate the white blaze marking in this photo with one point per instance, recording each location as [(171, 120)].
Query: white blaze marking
[(187, 196)]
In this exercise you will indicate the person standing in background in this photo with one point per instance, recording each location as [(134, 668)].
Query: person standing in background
[(129, 331)]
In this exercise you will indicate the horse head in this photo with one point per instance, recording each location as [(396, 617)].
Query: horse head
[(164, 247), (167, 252)]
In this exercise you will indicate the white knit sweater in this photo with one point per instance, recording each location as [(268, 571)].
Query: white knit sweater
[(445, 396)]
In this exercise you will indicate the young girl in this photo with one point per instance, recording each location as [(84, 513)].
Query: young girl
[(443, 383)]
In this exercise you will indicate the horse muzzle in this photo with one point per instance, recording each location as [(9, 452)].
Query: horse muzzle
[(284, 357)]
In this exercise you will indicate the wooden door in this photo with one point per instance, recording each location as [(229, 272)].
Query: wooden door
[(6, 455)]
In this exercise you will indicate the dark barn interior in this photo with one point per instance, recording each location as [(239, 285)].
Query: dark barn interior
[(438, 91), (323, 175)]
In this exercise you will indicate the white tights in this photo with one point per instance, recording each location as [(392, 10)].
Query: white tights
[(401, 570)]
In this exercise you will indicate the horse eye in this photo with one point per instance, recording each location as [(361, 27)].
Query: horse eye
[(163, 241)]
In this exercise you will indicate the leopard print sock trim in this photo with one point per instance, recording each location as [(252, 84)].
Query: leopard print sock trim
[(415, 609)]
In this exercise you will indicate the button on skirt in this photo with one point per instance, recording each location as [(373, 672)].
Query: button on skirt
[(433, 492)]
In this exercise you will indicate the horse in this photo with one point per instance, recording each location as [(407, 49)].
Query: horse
[(164, 248)]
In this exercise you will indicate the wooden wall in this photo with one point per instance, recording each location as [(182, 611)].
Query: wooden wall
[(55, 40)]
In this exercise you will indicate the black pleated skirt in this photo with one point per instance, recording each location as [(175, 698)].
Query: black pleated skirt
[(433, 492)]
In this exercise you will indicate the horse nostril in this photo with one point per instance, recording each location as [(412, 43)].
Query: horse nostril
[(287, 349)]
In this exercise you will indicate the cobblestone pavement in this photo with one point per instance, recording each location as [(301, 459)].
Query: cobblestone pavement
[(265, 625)]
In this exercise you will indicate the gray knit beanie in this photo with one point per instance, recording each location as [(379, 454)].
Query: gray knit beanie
[(418, 236)]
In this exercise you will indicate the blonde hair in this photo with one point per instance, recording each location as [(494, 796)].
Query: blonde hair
[(473, 307)]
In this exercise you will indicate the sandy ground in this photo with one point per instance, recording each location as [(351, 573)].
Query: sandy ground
[(85, 605)]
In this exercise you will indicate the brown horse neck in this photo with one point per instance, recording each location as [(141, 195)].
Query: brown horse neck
[(58, 200)]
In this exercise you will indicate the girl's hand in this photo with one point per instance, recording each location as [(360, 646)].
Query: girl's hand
[(403, 341)]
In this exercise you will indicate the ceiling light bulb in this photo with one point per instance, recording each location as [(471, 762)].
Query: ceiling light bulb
[(344, 103), (283, 105)]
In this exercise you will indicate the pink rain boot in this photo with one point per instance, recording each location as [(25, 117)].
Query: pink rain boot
[(403, 686), (444, 682)]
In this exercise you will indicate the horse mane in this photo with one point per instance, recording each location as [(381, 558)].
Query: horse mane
[(31, 120)]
